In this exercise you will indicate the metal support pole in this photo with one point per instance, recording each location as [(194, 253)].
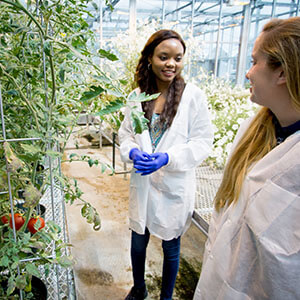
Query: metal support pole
[(132, 16), (8, 182), (191, 35), (230, 51), (273, 9), (163, 12), (178, 12), (100, 24), (218, 39), (243, 47), (114, 150), (192, 20)]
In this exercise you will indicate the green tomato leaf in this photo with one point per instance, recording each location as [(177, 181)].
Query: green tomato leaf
[(134, 97), (11, 286), (92, 93), (61, 74), (91, 162), (47, 48), (123, 81), (105, 54), (53, 154), (4, 261), (72, 155), (113, 106), (21, 282), (30, 149), (139, 121), (64, 261), (32, 269)]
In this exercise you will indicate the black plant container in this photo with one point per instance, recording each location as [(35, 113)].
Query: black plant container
[(38, 289)]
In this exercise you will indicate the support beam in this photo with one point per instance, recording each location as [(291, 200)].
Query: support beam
[(132, 16), (163, 12), (218, 39), (273, 9), (242, 56)]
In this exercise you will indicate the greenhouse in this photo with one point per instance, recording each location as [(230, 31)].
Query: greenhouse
[(119, 122)]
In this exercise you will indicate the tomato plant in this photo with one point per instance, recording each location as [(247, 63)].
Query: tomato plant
[(32, 222), (19, 221), (4, 220)]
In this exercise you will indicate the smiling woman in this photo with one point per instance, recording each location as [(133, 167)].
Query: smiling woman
[(166, 61), (252, 250), (164, 157)]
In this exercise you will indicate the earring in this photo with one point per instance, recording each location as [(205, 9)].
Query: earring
[(149, 66)]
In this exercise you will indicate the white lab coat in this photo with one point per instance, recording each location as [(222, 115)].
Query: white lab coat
[(164, 200), (253, 247)]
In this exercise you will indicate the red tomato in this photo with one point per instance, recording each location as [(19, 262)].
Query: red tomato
[(31, 223), (4, 220), (19, 221)]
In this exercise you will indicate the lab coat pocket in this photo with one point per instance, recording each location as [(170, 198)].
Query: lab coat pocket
[(139, 187), (273, 215)]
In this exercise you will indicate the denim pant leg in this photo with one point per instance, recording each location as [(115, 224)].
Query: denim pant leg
[(139, 244), (170, 267)]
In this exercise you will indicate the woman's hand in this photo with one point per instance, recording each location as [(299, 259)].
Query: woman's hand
[(137, 155), (156, 161)]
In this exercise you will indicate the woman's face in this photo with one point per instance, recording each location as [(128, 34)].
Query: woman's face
[(263, 80), (167, 60)]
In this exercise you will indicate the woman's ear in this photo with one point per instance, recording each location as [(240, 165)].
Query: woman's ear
[(281, 77)]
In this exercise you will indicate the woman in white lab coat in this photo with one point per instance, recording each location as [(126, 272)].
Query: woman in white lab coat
[(253, 246), (162, 185)]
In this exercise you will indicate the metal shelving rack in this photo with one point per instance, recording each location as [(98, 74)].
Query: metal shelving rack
[(208, 180), (60, 281)]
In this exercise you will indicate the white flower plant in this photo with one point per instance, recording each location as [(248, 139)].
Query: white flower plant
[(229, 105)]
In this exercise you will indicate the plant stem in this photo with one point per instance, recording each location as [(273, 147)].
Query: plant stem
[(27, 217), (23, 97), (18, 5)]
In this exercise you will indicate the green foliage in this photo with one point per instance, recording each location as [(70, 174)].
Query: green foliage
[(21, 258), (48, 76)]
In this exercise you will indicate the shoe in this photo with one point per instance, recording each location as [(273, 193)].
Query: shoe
[(137, 294)]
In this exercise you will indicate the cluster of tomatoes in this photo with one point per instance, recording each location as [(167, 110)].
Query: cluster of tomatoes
[(19, 221)]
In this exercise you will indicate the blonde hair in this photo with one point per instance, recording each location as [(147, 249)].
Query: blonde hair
[(281, 44)]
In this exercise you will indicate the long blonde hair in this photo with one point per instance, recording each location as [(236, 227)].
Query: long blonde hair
[(281, 44)]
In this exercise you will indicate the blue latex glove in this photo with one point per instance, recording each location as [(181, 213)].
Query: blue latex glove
[(137, 155), (157, 160)]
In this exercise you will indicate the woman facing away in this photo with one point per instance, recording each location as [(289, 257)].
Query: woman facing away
[(179, 138), (253, 246)]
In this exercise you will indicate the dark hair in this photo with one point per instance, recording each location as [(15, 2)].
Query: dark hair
[(145, 78)]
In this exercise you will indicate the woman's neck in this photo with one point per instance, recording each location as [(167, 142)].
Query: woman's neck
[(163, 86)]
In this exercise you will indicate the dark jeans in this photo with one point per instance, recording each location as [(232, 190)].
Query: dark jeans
[(171, 251)]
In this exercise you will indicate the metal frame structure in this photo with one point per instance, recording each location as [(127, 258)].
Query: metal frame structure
[(59, 282)]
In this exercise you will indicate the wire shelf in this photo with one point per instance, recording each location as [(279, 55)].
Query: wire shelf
[(208, 180), (60, 281)]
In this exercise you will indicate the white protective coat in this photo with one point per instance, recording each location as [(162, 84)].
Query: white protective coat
[(164, 200), (253, 247)]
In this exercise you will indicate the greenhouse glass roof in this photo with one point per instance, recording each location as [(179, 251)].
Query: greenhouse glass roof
[(226, 29)]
